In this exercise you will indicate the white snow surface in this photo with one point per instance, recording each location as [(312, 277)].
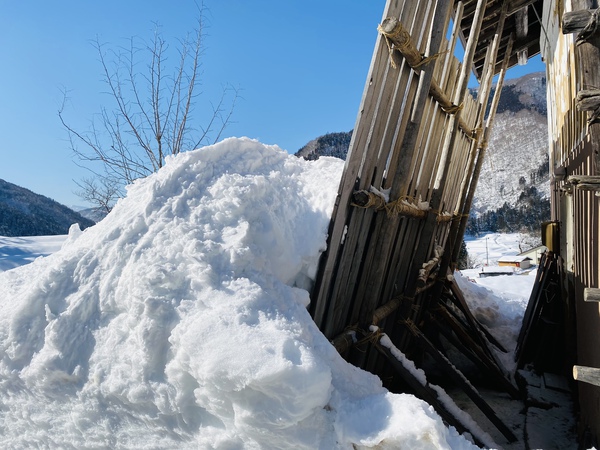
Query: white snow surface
[(16, 251), (180, 321)]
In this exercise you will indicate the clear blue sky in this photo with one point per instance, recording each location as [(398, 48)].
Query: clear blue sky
[(301, 67)]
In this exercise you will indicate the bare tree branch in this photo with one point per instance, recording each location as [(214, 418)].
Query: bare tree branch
[(152, 115)]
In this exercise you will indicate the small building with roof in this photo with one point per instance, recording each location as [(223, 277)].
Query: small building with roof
[(520, 261)]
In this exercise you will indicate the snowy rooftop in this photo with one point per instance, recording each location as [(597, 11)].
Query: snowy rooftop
[(513, 258)]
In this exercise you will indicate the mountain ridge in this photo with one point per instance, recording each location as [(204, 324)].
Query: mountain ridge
[(25, 213)]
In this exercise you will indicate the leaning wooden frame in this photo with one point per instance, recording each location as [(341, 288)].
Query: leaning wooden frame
[(416, 153)]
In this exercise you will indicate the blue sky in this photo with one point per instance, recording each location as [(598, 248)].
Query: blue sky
[(300, 67)]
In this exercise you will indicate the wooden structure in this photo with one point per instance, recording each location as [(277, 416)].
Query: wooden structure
[(410, 176), (413, 162), (543, 334), (407, 188), (535, 253), (571, 49), (587, 374)]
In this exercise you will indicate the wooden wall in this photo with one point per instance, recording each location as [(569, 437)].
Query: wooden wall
[(574, 152), (407, 146)]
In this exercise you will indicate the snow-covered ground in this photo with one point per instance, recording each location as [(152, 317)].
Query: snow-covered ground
[(485, 250), (16, 251), (180, 321)]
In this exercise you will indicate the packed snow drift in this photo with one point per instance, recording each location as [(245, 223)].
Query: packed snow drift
[(180, 321)]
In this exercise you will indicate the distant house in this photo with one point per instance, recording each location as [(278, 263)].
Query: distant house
[(535, 253), (520, 261)]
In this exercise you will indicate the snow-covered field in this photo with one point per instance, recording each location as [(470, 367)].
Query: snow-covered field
[(16, 251), (180, 321)]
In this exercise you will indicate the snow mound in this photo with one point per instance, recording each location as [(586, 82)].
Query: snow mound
[(180, 321)]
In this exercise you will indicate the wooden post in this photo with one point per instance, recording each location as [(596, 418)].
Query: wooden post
[(429, 227), (588, 59), (589, 375), (375, 268)]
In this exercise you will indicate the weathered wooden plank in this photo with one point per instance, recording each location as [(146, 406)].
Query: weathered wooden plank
[(428, 231), (359, 146), (584, 22), (585, 182), (589, 100), (378, 256), (591, 295), (424, 391), (512, 7), (430, 140), (586, 374), (461, 381)]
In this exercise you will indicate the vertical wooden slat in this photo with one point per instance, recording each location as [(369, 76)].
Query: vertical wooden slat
[(345, 289), (354, 161), (371, 284)]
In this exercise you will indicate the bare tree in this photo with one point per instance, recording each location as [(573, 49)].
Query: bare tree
[(153, 116), (100, 192)]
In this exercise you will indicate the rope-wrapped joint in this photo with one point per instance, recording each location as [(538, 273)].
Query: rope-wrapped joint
[(398, 38), (589, 100), (400, 207), (404, 206)]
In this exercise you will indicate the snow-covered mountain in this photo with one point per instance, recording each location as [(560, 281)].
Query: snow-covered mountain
[(515, 171), (25, 213), (517, 157)]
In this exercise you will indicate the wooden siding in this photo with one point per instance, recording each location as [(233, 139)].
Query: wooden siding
[(372, 257), (573, 151)]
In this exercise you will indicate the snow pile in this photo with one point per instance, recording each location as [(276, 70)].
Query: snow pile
[(499, 303), (180, 321)]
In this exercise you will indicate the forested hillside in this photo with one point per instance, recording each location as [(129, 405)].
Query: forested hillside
[(24, 213)]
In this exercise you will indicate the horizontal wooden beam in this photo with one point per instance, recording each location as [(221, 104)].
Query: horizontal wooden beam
[(591, 295), (513, 7), (589, 375), (584, 23), (588, 99), (575, 21), (400, 207), (585, 182)]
